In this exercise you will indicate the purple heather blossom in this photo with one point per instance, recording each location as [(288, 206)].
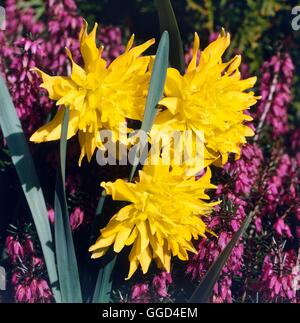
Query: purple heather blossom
[(244, 174), (111, 38), (282, 228), (140, 293), (280, 276), (15, 250), (277, 78), (245, 169), (161, 282), (33, 291), (51, 216), (76, 218)]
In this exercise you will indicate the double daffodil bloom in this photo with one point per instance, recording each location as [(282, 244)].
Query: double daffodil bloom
[(162, 219), (210, 97), (99, 96)]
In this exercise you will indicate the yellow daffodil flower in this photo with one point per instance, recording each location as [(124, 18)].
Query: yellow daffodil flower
[(99, 96), (162, 219), (210, 97)]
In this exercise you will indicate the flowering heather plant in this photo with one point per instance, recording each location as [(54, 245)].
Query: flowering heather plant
[(189, 191), (29, 276), (266, 262)]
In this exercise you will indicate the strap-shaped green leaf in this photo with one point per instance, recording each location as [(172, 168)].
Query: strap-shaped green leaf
[(204, 291), (168, 22), (65, 253), (103, 287), (22, 159), (156, 87)]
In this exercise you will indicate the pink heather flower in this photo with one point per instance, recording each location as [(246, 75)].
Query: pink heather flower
[(246, 169), (20, 22), (111, 38), (272, 184), (33, 291), (223, 240), (161, 282), (21, 54), (72, 183), (34, 288), (275, 190), (14, 249), (76, 218), (28, 284), (20, 293), (15, 278), (279, 66), (140, 293), (215, 221), (279, 276), (213, 36), (44, 291), (258, 224), (51, 216), (244, 174), (28, 295), (282, 228), (222, 291), (295, 140), (37, 262), (139, 290), (297, 222), (298, 213)]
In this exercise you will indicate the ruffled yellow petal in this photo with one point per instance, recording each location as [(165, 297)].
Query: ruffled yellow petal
[(138, 50), (193, 63), (173, 83), (134, 263), (88, 47), (120, 190), (56, 86), (171, 104), (78, 74), (122, 237), (132, 237), (99, 253), (213, 53), (145, 260), (52, 130), (88, 143), (102, 243), (130, 43)]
